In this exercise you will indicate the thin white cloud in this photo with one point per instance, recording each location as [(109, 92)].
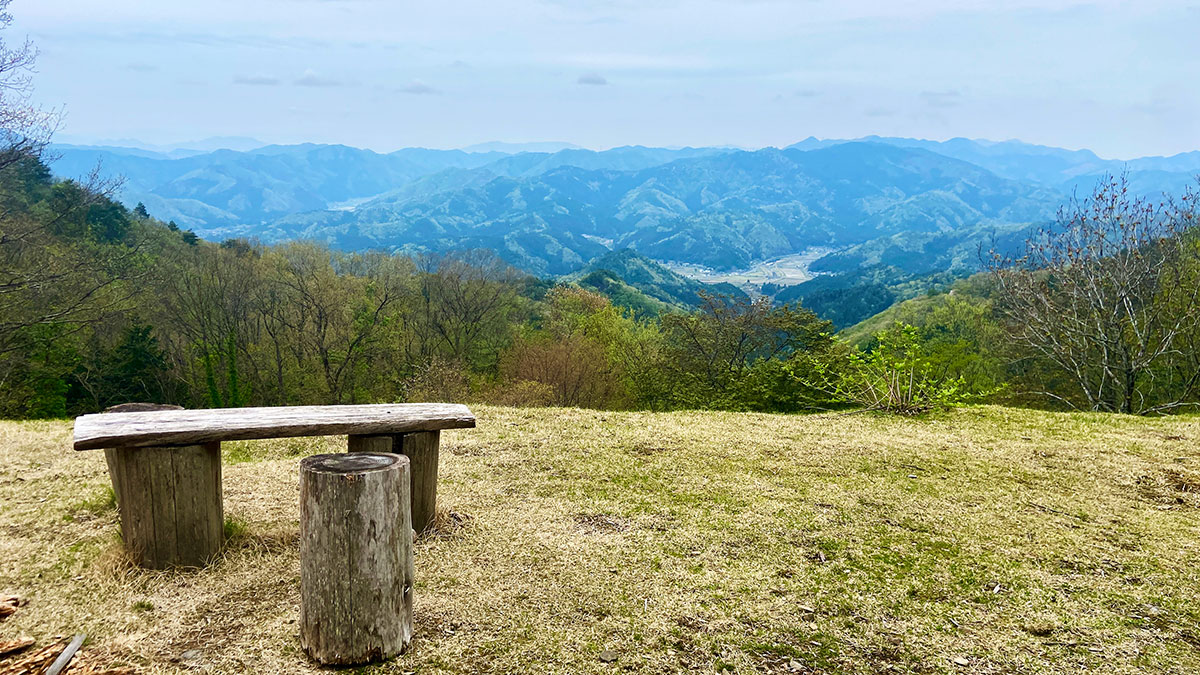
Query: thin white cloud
[(941, 99), (875, 67), (418, 87), (256, 80), (310, 78)]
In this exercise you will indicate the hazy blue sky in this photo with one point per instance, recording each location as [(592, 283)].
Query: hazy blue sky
[(1117, 77)]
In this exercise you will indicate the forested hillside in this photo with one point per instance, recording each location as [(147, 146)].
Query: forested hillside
[(103, 305), (551, 213), (899, 217), (214, 192)]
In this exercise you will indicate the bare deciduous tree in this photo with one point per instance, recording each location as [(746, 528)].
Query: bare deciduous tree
[(1110, 296), (465, 298), (25, 128), (41, 281)]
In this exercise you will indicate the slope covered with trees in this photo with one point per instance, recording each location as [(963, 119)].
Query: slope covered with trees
[(103, 305)]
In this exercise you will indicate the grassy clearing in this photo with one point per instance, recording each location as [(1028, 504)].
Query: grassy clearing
[(1005, 540)]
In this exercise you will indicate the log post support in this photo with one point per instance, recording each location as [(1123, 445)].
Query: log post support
[(356, 557), (169, 500), (421, 448), (360, 443)]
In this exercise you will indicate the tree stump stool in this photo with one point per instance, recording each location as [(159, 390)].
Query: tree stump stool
[(356, 557), (168, 498)]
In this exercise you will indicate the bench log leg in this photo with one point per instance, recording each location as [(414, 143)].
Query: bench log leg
[(421, 448), (169, 500), (356, 443)]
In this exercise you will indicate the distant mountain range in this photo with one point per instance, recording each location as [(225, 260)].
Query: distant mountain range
[(1064, 170), (514, 148), (721, 209), (891, 209)]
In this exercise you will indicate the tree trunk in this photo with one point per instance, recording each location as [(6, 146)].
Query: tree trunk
[(421, 448), (356, 557)]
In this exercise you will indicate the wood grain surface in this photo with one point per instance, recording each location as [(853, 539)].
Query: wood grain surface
[(193, 427)]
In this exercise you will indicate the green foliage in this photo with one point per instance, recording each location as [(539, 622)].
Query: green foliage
[(720, 356), (236, 399), (638, 283), (958, 331), (235, 528), (134, 370), (621, 294), (101, 501), (897, 376), (848, 297), (215, 399)]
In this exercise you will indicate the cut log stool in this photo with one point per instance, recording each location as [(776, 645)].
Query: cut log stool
[(356, 557), (421, 448), (168, 498)]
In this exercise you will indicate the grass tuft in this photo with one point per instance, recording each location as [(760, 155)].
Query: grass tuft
[(235, 529)]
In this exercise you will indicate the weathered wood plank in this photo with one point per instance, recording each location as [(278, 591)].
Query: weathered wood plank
[(193, 427)]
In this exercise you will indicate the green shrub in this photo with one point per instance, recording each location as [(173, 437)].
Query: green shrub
[(896, 376)]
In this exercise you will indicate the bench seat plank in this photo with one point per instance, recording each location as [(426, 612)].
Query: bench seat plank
[(194, 427)]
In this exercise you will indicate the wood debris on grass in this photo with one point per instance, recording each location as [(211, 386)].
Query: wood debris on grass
[(20, 660), (36, 661), (8, 606), (16, 659), (10, 647)]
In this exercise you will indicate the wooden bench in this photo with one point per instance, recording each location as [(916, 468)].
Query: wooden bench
[(166, 464)]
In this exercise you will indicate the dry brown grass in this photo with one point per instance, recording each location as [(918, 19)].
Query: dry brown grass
[(1008, 540)]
